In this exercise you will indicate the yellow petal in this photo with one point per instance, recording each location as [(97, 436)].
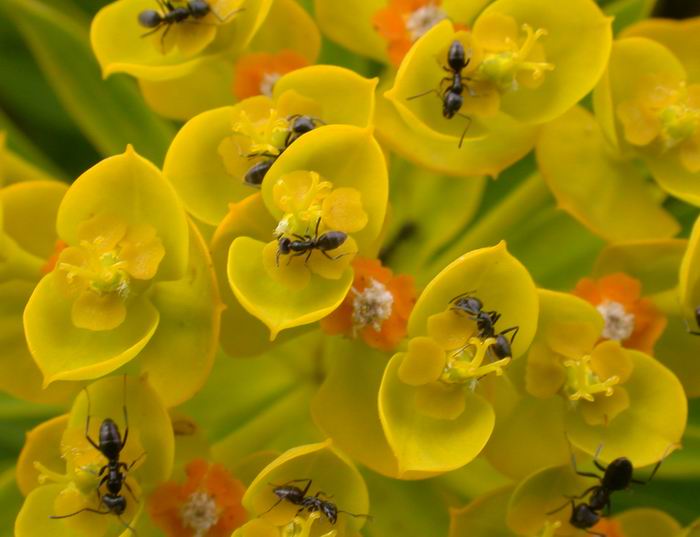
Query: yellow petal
[(92, 311), (545, 375), (342, 210), (450, 330), (423, 363), (41, 445), (610, 359), (604, 409), (142, 251), (441, 401)]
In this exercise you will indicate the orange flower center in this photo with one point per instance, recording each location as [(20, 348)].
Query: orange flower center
[(423, 19), (257, 73)]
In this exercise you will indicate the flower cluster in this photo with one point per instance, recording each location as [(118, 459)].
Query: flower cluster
[(289, 286)]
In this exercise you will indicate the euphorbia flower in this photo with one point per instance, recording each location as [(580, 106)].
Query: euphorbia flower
[(288, 40), (609, 388), (328, 471), (135, 279), (207, 505), (434, 416), (122, 44), (59, 485), (630, 319), (307, 193), (377, 306)]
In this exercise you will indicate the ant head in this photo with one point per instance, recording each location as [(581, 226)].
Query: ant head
[(303, 124), (456, 57), (468, 304), (283, 245), (150, 18), (199, 8)]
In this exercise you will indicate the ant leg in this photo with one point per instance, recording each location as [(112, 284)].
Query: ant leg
[(356, 515), (131, 492), (151, 32), (464, 132), (137, 459), (513, 329), (580, 496), (570, 502), (308, 256), (436, 92), (688, 329), (162, 38), (653, 472), (573, 463), (595, 459), (126, 525), (462, 295), (273, 506), (83, 510), (227, 17), (126, 417), (87, 424), (318, 223)]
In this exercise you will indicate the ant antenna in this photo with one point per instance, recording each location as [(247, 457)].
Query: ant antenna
[(83, 510), (368, 517)]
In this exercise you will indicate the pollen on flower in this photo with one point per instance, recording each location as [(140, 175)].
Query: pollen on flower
[(376, 308), (371, 306), (199, 512), (402, 22), (207, 505), (260, 135), (630, 319), (301, 527), (53, 259), (256, 73), (619, 324)]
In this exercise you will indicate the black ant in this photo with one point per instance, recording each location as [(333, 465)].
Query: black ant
[(299, 125), (110, 445), (452, 99), (306, 244), (297, 496), (169, 15), (697, 322), (485, 322), (618, 475)]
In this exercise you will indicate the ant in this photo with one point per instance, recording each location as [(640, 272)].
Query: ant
[(194, 9), (299, 125), (110, 446), (297, 496), (697, 322), (452, 99), (306, 244), (616, 476), (485, 322)]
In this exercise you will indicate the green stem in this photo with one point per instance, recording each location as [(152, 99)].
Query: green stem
[(500, 222)]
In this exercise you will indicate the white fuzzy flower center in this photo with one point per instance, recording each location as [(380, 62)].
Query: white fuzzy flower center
[(199, 513), (268, 83), (619, 324), (371, 306), (423, 19)]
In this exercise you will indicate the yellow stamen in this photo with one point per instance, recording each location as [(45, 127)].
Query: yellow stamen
[(550, 528), (301, 527), (584, 384), (266, 135), (503, 67), (678, 123), (464, 364), (46, 475)]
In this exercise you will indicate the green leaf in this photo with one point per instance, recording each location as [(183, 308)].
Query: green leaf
[(110, 113), (627, 12), (10, 502)]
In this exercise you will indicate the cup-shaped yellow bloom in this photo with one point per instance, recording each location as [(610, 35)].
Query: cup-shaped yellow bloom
[(653, 111), (431, 408), (124, 229), (618, 396), (224, 144), (288, 40), (329, 475), (531, 60), (324, 211), (138, 37), (61, 472)]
